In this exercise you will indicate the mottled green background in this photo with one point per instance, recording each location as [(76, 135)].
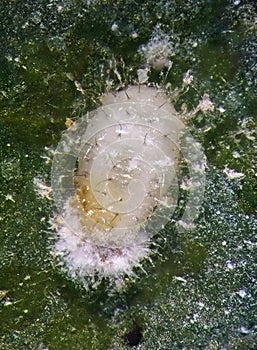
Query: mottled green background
[(45, 47)]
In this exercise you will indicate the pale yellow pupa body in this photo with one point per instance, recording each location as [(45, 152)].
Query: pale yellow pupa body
[(124, 185)]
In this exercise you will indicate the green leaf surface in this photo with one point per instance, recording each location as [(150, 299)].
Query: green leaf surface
[(56, 59)]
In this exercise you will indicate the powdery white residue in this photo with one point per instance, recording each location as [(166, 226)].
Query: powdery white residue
[(205, 104), (84, 258), (158, 50), (42, 189), (232, 174)]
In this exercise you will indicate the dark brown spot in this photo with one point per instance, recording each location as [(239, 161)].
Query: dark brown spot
[(134, 337)]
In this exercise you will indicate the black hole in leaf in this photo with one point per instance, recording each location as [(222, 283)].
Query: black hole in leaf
[(134, 337)]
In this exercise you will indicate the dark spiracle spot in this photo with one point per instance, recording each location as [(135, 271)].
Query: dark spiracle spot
[(134, 337)]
